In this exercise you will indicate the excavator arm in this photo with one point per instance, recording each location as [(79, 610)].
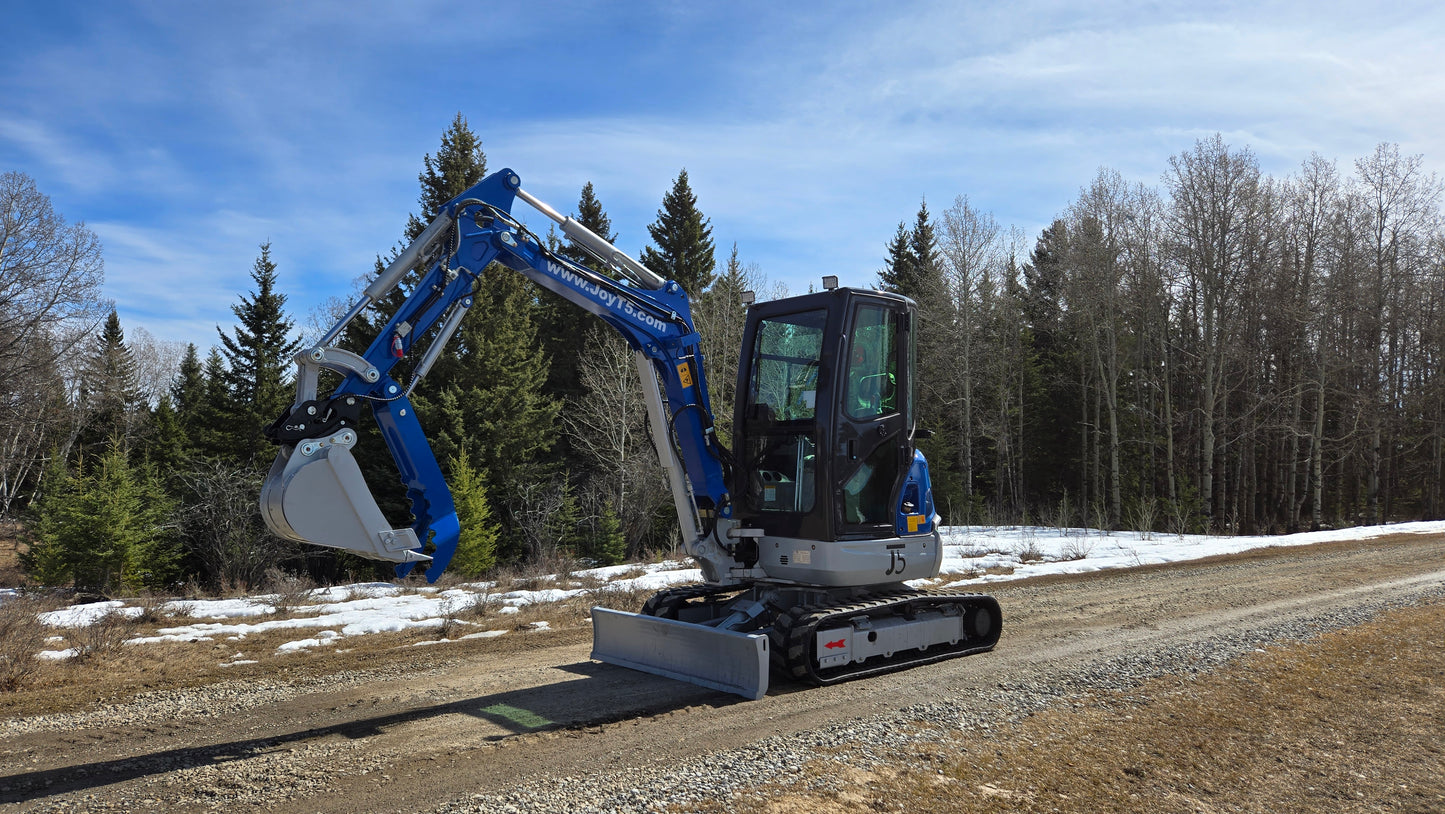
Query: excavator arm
[(314, 491)]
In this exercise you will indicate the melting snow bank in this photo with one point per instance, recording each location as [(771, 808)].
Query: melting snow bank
[(972, 554), (983, 554), (88, 614), (366, 608)]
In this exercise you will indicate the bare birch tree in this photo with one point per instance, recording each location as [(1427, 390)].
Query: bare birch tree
[(50, 300), (1213, 193), (608, 428), (971, 255)]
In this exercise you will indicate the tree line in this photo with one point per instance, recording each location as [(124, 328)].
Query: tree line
[(1227, 351)]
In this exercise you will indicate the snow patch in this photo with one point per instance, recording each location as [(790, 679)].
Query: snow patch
[(969, 551), (321, 638), (485, 634), (217, 608), (88, 614)]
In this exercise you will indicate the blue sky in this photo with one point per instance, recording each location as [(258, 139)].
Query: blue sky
[(187, 133)]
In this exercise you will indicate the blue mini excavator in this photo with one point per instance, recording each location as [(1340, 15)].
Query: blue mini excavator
[(805, 532)]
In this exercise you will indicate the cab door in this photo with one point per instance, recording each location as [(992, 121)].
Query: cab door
[(873, 419), (783, 406)]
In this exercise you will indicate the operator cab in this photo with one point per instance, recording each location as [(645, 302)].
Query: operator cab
[(824, 422)]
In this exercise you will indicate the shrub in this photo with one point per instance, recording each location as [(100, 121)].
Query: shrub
[(287, 590), (22, 636), (102, 637)]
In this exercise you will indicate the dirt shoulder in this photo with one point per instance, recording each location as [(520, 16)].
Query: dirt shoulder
[(1347, 722), (462, 730)]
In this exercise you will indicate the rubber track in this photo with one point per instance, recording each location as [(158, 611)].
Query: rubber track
[(666, 603), (793, 640)]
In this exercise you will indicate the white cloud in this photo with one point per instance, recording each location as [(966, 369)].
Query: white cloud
[(74, 162), (807, 135)]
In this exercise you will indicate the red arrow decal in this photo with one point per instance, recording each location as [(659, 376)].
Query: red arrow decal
[(839, 643)]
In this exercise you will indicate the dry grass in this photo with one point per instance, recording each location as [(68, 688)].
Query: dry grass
[(286, 591), (152, 608), (1349, 722), (73, 684), (12, 543), (103, 638), (628, 598), (109, 670), (459, 613), (1077, 547), (1027, 548), (22, 636)]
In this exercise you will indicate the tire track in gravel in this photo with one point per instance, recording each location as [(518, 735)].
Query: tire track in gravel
[(413, 744)]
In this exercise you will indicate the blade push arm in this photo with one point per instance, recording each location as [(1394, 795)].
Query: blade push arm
[(314, 492)]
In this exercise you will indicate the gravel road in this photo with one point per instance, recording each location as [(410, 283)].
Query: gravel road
[(548, 730)]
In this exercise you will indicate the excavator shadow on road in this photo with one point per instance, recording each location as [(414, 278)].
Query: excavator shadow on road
[(600, 695)]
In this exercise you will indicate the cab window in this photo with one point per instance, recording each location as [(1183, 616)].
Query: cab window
[(871, 382), (785, 364)]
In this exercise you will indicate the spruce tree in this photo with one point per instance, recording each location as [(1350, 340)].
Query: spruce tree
[(898, 274), (923, 246), (721, 317), (1053, 405), (155, 554), (611, 543), (47, 559), (110, 391), (177, 417), (912, 267), (459, 164), (564, 526), (508, 421), (559, 322), (591, 214), (105, 530), (477, 546), (211, 430), (167, 444), (188, 391), (684, 240), (258, 358)]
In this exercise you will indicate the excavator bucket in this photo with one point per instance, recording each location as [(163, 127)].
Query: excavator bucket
[(706, 656), (315, 493)]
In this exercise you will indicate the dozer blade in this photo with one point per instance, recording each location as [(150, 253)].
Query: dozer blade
[(717, 659)]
